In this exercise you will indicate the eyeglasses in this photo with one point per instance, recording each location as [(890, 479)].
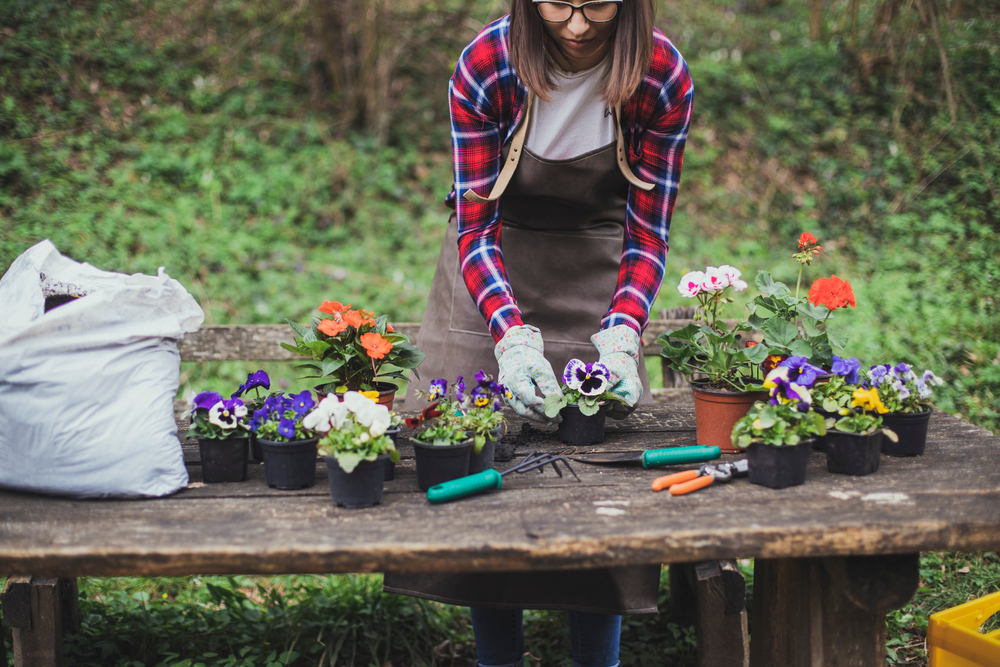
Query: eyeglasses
[(595, 11)]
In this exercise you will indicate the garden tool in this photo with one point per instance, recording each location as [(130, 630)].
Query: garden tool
[(491, 479), (692, 480), (652, 458)]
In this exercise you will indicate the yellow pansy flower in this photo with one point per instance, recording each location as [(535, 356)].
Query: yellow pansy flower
[(869, 400)]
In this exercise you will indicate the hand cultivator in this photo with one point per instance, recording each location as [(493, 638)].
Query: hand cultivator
[(491, 479)]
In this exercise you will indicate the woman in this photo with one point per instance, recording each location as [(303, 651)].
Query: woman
[(568, 129)]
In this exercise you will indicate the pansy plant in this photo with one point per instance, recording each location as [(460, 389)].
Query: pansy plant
[(280, 418), (216, 418), (836, 395), (584, 385), (787, 418), (475, 411), (900, 389)]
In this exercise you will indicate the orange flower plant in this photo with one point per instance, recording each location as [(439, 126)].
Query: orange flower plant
[(352, 349)]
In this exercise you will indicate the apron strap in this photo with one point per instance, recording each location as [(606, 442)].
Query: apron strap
[(513, 157), (622, 162), (517, 147)]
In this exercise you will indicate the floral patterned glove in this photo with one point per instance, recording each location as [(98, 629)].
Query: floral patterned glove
[(523, 367), (619, 349)]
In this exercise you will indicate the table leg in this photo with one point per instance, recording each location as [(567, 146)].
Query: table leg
[(827, 611), (39, 610), (712, 596)]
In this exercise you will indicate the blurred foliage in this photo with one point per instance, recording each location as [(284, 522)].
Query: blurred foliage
[(215, 137)]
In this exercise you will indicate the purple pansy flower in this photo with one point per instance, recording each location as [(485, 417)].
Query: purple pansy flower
[(802, 372), (254, 380), (847, 368), (878, 373), (483, 379), (438, 389), (497, 405), (286, 428), (227, 414), (588, 379), (205, 400), (258, 419), (497, 388), (302, 402), (480, 397)]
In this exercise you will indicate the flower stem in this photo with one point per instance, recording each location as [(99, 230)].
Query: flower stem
[(799, 281)]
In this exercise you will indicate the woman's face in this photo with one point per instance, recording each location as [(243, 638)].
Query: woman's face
[(579, 44)]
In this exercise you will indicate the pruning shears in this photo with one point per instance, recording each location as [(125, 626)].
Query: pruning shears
[(681, 483)]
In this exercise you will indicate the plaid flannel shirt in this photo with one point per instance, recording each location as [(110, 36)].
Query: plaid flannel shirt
[(487, 101)]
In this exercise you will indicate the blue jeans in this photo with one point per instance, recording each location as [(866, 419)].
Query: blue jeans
[(500, 637)]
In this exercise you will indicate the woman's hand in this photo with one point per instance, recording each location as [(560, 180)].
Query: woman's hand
[(619, 349), (523, 367)]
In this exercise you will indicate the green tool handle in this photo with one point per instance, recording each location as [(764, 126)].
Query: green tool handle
[(652, 458), (464, 486)]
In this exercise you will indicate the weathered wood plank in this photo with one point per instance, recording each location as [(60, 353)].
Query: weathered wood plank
[(721, 615)]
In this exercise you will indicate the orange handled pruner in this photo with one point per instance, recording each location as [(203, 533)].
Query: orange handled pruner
[(692, 480)]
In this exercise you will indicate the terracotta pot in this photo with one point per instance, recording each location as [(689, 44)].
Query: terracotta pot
[(386, 394), (716, 412)]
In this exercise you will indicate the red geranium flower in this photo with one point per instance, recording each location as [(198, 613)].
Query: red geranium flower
[(807, 239), (376, 346), (832, 292)]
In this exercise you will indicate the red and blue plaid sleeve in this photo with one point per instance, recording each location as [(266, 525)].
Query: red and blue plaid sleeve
[(655, 122), (485, 99)]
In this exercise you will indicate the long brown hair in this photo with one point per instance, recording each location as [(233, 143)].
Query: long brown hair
[(630, 53)]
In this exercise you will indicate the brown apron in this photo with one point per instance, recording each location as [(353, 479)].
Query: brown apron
[(562, 233)]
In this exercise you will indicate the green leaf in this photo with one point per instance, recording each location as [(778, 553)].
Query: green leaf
[(553, 404), (767, 417), (837, 339), (756, 321), (589, 406), (330, 366), (756, 354), (800, 348), (768, 285), (305, 352), (298, 328), (780, 332), (318, 347), (806, 309)]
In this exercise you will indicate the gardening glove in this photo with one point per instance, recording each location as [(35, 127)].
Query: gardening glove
[(619, 350), (523, 367)]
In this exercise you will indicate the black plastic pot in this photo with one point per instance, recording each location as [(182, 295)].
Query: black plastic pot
[(484, 459), (362, 487), (223, 460), (852, 453), (255, 453), (390, 466), (441, 464), (819, 442), (778, 467), (911, 429), (289, 465), (576, 428)]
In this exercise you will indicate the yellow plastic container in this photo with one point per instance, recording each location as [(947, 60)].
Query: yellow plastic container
[(953, 638)]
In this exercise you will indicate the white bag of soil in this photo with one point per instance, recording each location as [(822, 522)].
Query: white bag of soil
[(87, 387)]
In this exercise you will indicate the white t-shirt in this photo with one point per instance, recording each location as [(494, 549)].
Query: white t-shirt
[(576, 120)]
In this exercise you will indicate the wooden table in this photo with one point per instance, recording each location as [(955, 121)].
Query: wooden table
[(832, 555)]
